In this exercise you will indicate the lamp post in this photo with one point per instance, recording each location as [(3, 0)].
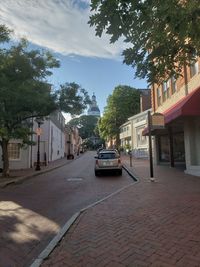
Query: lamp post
[(150, 147), (39, 122)]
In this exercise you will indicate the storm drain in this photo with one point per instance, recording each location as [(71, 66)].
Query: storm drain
[(74, 179)]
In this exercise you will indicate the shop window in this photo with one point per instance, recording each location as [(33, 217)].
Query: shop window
[(178, 144), (164, 148), (179, 149), (14, 151)]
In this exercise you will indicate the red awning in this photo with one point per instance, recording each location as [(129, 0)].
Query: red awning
[(187, 106)]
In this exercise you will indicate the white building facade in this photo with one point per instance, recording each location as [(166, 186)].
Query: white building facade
[(131, 137), (51, 145)]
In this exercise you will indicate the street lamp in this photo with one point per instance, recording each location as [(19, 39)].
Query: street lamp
[(38, 131)]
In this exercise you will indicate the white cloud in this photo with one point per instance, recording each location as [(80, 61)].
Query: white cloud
[(60, 25)]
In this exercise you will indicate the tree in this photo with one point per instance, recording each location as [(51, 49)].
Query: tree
[(162, 36), (4, 34), (72, 98), (25, 94), (123, 103), (86, 125)]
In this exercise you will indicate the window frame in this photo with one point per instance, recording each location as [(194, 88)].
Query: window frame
[(159, 100), (12, 150)]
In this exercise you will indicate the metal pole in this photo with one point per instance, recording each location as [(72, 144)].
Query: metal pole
[(38, 151), (150, 146), (31, 156), (130, 159)]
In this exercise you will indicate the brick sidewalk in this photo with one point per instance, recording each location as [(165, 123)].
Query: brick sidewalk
[(147, 224)]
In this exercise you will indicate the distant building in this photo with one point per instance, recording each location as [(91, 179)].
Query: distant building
[(73, 141), (145, 99), (94, 109), (131, 137)]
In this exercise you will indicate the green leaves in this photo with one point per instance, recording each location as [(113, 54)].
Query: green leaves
[(72, 98), (161, 34), (26, 94), (123, 103), (4, 34), (86, 125), (23, 91)]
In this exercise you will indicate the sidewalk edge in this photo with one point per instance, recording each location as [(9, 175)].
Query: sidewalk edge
[(21, 179), (131, 173), (53, 243)]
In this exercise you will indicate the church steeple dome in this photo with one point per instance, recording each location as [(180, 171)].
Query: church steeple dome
[(94, 109)]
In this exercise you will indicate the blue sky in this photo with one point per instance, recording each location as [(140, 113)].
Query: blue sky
[(61, 26)]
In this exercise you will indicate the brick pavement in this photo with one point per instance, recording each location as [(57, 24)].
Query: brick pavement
[(147, 224), (18, 176)]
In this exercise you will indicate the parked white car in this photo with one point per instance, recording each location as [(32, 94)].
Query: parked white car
[(108, 160)]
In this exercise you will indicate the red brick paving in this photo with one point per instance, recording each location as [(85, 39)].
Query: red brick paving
[(148, 224)]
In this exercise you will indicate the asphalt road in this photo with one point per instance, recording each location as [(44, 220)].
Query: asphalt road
[(33, 212)]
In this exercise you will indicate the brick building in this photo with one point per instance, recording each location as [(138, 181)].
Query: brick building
[(179, 102)]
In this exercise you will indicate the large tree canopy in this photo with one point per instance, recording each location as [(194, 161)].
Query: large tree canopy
[(162, 36), (25, 93), (72, 98), (123, 103)]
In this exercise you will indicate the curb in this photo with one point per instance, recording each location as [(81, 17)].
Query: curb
[(45, 253), (54, 242), (21, 179), (134, 176)]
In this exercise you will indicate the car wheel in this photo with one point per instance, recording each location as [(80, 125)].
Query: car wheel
[(96, 173), (120, 172)]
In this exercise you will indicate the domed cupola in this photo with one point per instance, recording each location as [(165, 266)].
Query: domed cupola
[(94, 109)]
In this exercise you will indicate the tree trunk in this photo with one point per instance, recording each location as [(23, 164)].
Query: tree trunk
[(4, 144), (117, 141)]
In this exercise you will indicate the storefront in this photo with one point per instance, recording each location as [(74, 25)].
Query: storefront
[(179, 141)]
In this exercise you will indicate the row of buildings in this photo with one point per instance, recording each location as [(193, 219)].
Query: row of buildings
[(131, 132), (52, 139), (55, 141), (177, 143)]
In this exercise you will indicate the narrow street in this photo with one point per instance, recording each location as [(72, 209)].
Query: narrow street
[(33, 212)]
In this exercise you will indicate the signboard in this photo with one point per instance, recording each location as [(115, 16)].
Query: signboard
[(39, 131), (157, 121)]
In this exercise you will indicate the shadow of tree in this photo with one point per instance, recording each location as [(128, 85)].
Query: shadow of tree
[(22, 240)]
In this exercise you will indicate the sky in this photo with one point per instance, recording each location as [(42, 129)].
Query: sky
[(61, 27)]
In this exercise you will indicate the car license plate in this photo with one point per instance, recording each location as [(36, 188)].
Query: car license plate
[(107, 163)]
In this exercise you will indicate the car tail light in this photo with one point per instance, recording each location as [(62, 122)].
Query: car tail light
[(97, 162), (119, 161)]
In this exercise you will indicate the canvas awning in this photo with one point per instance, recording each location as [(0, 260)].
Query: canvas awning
[(187, 106)]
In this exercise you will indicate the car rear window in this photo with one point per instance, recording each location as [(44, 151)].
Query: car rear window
[(107, 156)]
